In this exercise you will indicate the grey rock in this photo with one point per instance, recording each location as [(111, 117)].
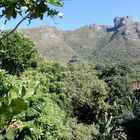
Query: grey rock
[(74, 58), (138, 29), (122, 21), (97, 43)]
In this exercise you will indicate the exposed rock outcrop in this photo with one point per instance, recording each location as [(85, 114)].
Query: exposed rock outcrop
[(122, 21), (98, 43)]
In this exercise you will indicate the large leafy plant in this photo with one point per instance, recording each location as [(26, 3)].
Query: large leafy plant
[(11, 102)]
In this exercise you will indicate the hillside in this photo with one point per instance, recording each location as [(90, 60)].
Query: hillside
[(98, 43)]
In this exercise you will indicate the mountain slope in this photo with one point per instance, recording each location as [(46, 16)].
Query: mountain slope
[(97, 43)]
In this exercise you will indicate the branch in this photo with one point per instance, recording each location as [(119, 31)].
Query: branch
[(8, 34)]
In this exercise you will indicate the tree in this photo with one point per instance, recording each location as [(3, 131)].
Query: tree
[(17, 53), (87, 93), (28, 10)]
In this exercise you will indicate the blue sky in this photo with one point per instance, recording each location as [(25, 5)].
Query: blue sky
[(82, 12)]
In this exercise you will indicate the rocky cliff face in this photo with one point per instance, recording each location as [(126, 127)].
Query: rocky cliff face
[(98, 43), (127, 28), (123, 21)]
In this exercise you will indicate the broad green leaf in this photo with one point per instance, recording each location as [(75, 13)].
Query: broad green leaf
[(13, 94), (18, 105), (10, 135), (4, 119), (4, 109)]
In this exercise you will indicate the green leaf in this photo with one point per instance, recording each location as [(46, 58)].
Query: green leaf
[(1, 136), (4, 109), (18, 105), (10, 135), (5, 115), (4, 119), (23, 91), (29, 93), (13, 94), (55, 3)]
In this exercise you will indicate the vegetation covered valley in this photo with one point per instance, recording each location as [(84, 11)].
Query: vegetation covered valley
[(43, 100), (67, 85)]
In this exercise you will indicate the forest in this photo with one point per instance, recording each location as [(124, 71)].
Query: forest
[(75, 101)]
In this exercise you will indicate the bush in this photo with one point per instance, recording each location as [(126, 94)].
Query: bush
[(17, 53), (84, 132)]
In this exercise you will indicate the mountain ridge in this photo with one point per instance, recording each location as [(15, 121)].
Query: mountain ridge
[(98, 43)]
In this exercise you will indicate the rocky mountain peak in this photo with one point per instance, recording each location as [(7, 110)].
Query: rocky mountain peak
[(123, 21), (97, 43)]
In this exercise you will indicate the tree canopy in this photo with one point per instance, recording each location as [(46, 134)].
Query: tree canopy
[(28, 10), (17, 53)]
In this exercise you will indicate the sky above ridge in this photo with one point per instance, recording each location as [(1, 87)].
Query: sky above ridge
[(78, 13)]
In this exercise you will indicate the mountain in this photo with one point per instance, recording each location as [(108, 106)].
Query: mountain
[(97, 43)]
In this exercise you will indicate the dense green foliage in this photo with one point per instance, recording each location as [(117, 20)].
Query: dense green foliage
[(27, 10), (87, 95), (36, 9), (17, 53), (28, 109), (78, 101)]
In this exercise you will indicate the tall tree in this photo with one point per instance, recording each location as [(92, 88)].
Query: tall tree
[(17, 53)]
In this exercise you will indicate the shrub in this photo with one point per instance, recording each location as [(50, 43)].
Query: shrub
[(17, 53)]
